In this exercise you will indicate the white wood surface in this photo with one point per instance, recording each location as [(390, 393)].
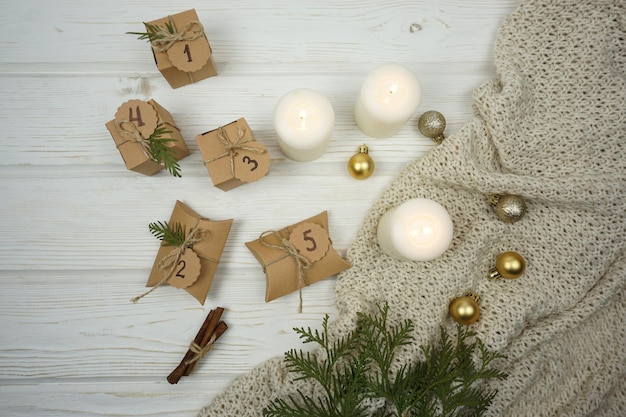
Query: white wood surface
[(74, 243)]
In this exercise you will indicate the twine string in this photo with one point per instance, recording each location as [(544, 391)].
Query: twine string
[(169, 261), (231, 147), (290, 250), (199, 351), (133, 135), (165, 39)]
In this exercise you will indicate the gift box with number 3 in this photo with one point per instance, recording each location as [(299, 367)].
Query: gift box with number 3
[(233, 156)]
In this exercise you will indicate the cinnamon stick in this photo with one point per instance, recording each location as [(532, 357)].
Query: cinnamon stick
[(219, 331), (208, 326)]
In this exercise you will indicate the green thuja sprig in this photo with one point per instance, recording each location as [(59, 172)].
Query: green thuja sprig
[(154, 32), (360, 366), (339, 374), (169, 236), (162, 153)]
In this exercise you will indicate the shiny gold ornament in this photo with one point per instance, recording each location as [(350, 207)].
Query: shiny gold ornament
[(432, 124), (465, 309), (361, 165), (509, 265), (508, 208)]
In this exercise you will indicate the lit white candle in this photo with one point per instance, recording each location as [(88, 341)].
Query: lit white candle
[(304, 121), (417, 230), (389, 97)]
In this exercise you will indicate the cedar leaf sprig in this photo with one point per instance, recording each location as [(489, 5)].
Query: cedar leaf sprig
[(169, 236), (360, 366), (153, 32), (340, 375), (162, 153)]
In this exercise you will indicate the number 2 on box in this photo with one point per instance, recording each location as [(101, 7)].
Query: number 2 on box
[(180, 274)]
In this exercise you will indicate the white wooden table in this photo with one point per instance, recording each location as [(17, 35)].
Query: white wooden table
[(74, 242)]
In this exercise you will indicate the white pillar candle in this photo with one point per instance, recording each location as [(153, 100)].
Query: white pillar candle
[(389, 97), (304, 121), (417, 230)]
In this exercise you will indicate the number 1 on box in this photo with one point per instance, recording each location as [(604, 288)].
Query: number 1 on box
[(188, 52)]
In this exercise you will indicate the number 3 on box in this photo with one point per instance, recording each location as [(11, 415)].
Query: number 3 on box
[(250, 161)]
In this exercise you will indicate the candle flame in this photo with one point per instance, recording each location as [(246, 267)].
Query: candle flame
[(303, 117), (421, 232), (392, 90)]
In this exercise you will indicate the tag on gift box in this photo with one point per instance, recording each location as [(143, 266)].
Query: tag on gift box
[(183, 54), (297, 256), (136, 123), (233, 156), (191, 266)]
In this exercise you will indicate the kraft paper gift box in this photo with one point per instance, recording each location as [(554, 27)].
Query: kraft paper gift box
[(232, 155), (137, 121), (297, 256), (186, 58), (191, 266)]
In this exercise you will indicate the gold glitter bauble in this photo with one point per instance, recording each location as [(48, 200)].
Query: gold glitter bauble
[(509, 265), (361, 165), (432, 124), (465, 309), (509, 208)]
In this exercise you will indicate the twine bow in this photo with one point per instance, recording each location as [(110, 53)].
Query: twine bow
[(169, 261), (198, 351), (233, 146), (165, 39), (133, 135), (286, 246)]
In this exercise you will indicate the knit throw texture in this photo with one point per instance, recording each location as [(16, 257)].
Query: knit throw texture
[(551, 127)]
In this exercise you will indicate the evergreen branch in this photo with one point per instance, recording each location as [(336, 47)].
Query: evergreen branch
[(162, 153), (167, 235), (360, 365), (154, 32)]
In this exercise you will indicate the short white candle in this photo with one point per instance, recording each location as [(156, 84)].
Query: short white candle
[(417, 230), (389, 97), (304, 121)]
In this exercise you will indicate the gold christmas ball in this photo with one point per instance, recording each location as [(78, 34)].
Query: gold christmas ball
[(465, 309), (510, 208), (361, 165), (432, 124), (510, 265)]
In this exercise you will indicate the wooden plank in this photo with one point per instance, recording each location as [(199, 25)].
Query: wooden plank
[(75, 245), (320, 33)]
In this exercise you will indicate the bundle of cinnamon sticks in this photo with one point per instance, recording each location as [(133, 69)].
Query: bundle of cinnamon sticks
[(209, 332)]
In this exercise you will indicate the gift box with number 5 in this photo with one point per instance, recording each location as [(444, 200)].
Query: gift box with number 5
[(232, 155), (297, 256)]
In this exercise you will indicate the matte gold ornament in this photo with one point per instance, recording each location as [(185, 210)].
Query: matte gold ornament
[(509, 265), (508, 208), (432, 124), (465, 309), (361, 165)]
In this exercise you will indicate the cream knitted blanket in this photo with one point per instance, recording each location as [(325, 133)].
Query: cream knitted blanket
[(551, 127)]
